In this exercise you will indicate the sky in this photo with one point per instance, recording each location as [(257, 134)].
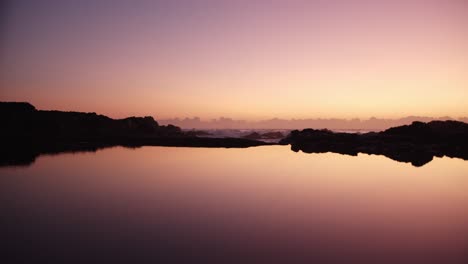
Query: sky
[(249, 60)]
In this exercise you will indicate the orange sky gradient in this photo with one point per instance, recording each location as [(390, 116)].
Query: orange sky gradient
[(247, 60)]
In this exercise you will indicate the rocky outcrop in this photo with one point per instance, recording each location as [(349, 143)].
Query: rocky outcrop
[(56, 124), (27, 132), (417, 143), (23, 120)]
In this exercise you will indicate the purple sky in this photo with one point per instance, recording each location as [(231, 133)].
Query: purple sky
[(242, 59)]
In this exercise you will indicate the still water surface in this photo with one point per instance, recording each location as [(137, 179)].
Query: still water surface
[(256, 205)]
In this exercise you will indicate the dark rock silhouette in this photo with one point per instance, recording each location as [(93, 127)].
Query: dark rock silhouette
[(417, 143), (27, 133), (22, 119)]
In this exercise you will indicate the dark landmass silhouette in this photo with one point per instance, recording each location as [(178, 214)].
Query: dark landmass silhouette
[(27, 133), (417, 143), (371, 124)]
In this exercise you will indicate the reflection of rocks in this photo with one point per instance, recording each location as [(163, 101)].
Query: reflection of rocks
[(22, 153), (25, 153), (267, 135), (417, 143)]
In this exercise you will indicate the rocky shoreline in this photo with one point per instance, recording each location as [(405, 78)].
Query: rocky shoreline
[(417, 143), (27, 133)]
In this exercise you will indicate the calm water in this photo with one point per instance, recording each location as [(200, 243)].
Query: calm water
[(256, 205)]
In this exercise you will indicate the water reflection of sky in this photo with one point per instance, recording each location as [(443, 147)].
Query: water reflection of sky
[(266, 200)]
